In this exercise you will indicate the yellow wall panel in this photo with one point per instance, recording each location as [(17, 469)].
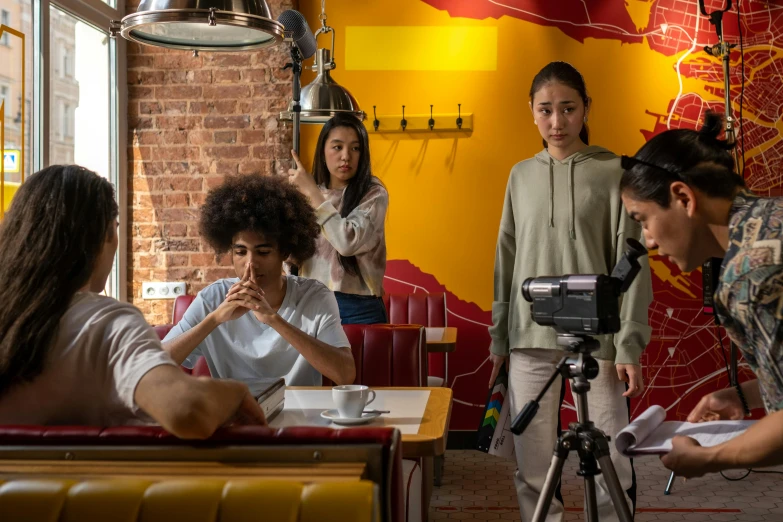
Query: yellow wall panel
[(421, 48)]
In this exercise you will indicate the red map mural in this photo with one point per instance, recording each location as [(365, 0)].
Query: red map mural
[(684, 359)]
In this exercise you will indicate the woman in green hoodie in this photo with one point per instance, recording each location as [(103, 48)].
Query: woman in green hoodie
[(563, 214)]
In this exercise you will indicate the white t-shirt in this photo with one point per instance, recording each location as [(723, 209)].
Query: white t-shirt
[(247, 349), (102, 350)]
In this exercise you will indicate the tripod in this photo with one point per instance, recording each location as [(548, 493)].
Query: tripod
[(590, 443)]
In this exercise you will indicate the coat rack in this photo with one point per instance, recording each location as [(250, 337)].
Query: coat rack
[(419, 124)]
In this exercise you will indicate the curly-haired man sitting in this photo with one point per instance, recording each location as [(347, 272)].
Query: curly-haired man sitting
[(263, 324)]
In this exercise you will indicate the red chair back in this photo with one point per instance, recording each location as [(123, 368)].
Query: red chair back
[(421, 308), (181, 304), (424, 309), (387, 355)]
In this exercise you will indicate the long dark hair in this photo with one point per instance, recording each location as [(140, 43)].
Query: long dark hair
[(358, 186), (697, 158), (50, 239), (565, 73)]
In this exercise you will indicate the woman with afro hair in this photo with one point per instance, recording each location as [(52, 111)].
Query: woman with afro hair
[(262, 324)]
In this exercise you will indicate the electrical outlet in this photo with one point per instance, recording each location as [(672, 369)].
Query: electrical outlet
[(162, 290)]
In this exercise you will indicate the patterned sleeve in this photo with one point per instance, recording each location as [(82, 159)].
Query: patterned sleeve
[(362, 229), (755, 323)]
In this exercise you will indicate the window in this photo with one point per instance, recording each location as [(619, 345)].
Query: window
[(64, 92), (83, 87), (5, 99), (5, 19), (67, 63), (66, 121)]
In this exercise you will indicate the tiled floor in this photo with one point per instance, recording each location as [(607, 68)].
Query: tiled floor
[(477, 486)]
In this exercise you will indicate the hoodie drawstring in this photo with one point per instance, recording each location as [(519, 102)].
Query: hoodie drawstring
[(572, 220), (551, 193)]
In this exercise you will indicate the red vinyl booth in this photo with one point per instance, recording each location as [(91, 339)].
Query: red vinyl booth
[(426, 310)]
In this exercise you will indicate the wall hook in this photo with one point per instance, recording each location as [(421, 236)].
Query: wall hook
[(431, 123), (375, 122), (403, 122), (459, 115)]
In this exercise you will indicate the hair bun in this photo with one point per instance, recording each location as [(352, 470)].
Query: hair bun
[(709, 132)]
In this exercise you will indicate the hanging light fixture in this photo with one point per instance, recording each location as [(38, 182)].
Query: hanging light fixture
[(324, 97), (201, 25)]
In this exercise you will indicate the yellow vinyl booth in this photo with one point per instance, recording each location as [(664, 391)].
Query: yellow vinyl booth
[(186, 500)]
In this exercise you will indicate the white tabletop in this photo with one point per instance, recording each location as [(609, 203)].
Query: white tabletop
[(304, 407)]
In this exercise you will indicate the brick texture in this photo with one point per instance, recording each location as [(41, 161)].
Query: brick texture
[(193, 120)]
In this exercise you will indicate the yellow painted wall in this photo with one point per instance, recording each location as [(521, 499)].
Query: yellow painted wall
[(446, 195)]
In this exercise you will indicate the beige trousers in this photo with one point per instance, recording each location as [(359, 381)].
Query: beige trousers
[(608, 409)]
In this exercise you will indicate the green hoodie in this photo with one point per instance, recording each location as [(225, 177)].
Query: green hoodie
[(559, 218)]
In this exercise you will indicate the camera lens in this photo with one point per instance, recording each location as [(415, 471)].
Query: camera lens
[(526, 289)]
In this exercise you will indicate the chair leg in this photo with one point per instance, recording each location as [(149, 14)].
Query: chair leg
[(440, 462), (669, 484)]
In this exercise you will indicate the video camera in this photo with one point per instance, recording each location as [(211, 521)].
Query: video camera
[(583, 304), (578, 306)]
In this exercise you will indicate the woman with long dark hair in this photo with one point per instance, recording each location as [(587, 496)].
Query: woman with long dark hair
[(71, 356), (350, 204), (563, 214)]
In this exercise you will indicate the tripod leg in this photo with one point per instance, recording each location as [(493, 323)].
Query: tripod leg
[(591, 506), (550, 484), (613, 484), (669, 484)]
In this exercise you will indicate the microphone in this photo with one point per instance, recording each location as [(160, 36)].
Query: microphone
[(297, 29)]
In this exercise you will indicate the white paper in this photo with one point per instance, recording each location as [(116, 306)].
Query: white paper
[(648, 434)]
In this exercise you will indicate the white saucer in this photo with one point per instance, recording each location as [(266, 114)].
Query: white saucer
[(334, 416)]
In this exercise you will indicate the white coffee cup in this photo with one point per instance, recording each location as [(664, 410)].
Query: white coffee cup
[(350, 399)]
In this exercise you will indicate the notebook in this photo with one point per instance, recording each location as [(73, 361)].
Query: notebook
[(649, 434)]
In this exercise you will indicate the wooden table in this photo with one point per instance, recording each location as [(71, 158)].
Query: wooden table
[(441, 339), (428, 441), (426, 445)]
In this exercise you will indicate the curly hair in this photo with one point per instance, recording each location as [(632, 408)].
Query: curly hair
[(264, 204)]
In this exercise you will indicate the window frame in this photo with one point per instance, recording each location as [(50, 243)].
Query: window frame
[(6, 98), (97, 14)]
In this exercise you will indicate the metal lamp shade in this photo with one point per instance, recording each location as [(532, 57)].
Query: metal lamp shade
[(324, 97), (203, 25)]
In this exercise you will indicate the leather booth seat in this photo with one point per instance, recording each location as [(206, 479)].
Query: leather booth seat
[(387, 355), (377, 449), (427, 310), (185, 500)]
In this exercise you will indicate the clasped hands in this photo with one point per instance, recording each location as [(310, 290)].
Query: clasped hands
[(245, 295)]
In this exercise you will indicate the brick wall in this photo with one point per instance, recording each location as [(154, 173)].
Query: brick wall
[(192, 121)]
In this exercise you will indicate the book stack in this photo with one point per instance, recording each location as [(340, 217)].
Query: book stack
[(270, 394)]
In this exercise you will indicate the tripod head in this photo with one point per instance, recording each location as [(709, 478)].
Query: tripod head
[(577, 365)]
